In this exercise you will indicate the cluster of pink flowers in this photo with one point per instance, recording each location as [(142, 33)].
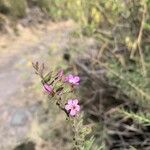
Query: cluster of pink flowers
[(71, 107)]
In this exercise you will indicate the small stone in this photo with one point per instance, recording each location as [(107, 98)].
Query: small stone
[(19, 118), (26, 146)]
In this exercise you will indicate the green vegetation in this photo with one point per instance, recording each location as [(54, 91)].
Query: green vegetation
[(14, 8), (122, 29)]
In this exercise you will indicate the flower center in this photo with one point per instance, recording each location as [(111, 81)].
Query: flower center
[(73, 107)]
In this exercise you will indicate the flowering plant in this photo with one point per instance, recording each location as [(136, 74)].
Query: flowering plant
[(60, 89), (56, 84)]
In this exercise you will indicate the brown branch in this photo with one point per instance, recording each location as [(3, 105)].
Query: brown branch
[(137, 44)]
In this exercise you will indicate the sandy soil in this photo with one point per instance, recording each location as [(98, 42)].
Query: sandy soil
[(18, 99)]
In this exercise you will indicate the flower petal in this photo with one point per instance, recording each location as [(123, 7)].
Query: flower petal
[(67, 107), (75, 102), (77, 108), (76, 78), (70, 102), (72, 112), (47, 88), (70, 76)]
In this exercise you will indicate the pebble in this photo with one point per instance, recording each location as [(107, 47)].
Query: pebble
[(20, 117)]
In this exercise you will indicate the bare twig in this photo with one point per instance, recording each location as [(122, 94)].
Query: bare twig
[(137, 44)]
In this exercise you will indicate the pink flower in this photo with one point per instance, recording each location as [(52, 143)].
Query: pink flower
[(72, 107), (48, 88), (74, 80)]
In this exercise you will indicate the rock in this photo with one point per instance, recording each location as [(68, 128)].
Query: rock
[(20, 117), (25, 146)]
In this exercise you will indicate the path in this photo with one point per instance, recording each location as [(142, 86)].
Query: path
[(18, 100)]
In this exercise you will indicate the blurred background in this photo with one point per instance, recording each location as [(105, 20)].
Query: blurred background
[(106, 42)]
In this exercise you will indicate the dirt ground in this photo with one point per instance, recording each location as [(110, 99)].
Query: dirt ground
[(19, 92)]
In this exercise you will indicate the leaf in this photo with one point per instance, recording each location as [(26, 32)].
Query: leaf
[(47, 77), (88, 144)]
